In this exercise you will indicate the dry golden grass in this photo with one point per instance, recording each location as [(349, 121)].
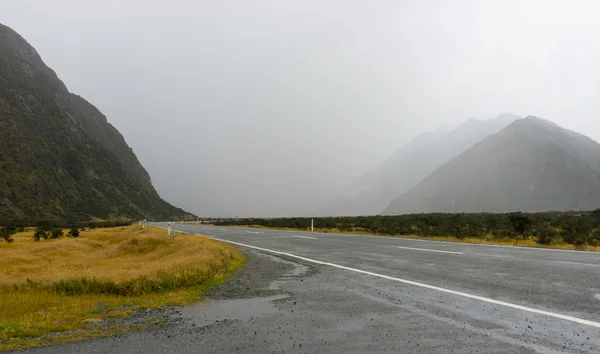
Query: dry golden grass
[(63, 285)]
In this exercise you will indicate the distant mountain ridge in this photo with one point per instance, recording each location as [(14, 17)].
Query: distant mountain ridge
[(374, 190), (59, 156), (532, 165)]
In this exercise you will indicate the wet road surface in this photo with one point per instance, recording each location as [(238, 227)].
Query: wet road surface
[(328, 293)]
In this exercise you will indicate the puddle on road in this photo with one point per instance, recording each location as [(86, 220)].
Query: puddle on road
[(213, 311)]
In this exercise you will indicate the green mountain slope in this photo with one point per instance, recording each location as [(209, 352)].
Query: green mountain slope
[(59, 157), (531, 165)]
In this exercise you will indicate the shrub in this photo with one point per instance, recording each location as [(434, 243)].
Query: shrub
[(56, 232), (40, 233), (546, 238), (74, 232), (43, 230), (519, 222), (6, 233)]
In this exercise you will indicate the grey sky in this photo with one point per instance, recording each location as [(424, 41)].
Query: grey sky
[(268, 107)]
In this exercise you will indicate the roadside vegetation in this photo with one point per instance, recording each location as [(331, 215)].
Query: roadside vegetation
[(568, 230), (54, 289)]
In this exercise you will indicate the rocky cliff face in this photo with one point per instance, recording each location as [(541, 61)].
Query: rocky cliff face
[(59, 156)]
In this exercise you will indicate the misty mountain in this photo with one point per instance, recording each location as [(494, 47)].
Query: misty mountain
[(532, 165), (59, 157), (374, 190)]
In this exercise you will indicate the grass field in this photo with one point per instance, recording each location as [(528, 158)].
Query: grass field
[(51, 290)]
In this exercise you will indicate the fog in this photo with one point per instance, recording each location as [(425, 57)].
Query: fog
[(268, 108)]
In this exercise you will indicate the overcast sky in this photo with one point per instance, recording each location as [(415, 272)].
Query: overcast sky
[(269, 107)]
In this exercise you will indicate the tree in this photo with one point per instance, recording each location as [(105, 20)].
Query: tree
[(74, 232), (56, 232)]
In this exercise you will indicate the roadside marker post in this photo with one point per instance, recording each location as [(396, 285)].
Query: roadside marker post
[(312, 225)]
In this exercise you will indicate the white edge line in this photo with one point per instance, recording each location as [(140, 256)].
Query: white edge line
[(427, 286), (428, 250)]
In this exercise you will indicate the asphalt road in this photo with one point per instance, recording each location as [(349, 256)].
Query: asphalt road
[(509, 287), (357, 294)]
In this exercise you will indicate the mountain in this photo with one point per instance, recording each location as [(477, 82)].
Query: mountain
[(59, 157), (532, 165), (374, 190)]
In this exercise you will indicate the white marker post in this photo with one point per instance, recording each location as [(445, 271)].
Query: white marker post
[(169, 228), (312, 225)]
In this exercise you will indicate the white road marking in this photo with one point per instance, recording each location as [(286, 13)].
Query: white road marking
[(428, 250), (306, 237), (223, 229), (274, 238), (427, 286), (577, 263), (253, 232), (492, 255)]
